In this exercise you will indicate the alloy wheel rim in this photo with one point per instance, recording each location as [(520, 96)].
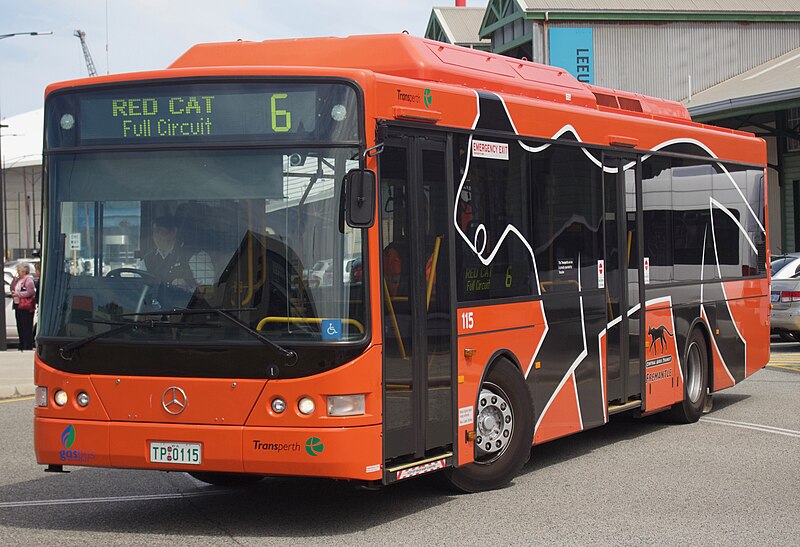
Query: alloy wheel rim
[(494, 424), (694, 373)]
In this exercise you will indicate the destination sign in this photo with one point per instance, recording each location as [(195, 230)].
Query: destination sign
[(203, 112), (133, 118)]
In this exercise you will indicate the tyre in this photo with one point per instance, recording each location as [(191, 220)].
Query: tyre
[(504, 427), (230, 480), (695, 381)]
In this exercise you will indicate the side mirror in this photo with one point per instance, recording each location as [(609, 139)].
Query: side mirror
[(359, 186)]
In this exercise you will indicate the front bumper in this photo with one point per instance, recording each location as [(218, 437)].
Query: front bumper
[(342, 453)]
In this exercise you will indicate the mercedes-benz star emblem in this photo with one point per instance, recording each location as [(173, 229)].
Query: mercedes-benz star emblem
[(174, 400)]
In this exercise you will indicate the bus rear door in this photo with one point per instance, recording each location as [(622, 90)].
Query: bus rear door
[(621, 176)]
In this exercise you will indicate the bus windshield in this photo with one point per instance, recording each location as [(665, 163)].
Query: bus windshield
[(135, 234)]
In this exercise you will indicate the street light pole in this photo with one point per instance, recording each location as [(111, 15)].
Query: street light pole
[(3, 339), (24, 34)]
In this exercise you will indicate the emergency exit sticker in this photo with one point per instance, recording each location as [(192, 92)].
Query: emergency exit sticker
[(647, 270), (491, 150), (601, 274)]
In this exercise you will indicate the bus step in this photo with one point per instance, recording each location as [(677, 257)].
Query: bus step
[(420, 467), (616, 409)]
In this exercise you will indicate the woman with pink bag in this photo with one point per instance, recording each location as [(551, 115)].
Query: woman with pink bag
[(23, 292)]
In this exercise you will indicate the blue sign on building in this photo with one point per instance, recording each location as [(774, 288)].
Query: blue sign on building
[(572, 49)]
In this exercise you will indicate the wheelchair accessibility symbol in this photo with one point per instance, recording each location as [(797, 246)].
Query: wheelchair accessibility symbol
[(331, 329)]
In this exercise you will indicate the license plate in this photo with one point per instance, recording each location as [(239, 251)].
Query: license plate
[(176, 453), (774, 297)]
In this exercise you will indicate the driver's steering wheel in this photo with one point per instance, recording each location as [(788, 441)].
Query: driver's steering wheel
[(149, 281), (147, 276)]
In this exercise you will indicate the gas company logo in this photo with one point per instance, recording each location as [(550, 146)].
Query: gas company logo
[(70, 454), (427, 98), (420, 469), (314, 446), (68, 436)]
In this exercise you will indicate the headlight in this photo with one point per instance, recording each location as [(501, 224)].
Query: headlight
[(346, 405), (60, 397), (306, 405), (83, 398)]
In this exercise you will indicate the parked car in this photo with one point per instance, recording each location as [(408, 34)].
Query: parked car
[(321, 274), (785, 266), (785, 297)]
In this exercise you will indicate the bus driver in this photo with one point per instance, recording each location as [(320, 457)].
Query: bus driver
[(173, 264)]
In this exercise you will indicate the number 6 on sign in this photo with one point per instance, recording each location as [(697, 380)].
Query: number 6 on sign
[(287, 116)]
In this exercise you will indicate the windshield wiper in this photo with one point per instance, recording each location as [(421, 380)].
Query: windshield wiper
[(289, 355), (124, 326)]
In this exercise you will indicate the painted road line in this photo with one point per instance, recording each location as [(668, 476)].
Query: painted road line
[(792, 368), (18, 399), (756, 427), (111, 499)]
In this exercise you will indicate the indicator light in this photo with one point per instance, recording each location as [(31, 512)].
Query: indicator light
[(41, 396), (346, 405)]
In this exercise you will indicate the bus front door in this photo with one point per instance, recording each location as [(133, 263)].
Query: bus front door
[(623, 279), (417, 311)]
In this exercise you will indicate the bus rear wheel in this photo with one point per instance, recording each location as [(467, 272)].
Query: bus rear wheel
[(695, 381), (230, 480), (504, 432)]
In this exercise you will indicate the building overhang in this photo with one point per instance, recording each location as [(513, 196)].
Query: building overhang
[(774, 85)]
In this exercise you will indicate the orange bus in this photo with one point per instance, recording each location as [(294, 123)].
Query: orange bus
[(377, 257)]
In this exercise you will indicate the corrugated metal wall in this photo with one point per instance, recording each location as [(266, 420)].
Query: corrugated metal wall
[(657, 58), (791, 175)]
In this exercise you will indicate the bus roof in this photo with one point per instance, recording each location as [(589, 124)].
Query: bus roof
[(407, 56)]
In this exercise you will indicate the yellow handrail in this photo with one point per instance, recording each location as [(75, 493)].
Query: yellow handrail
[(317, 320), (394, 320), (545, 284), (432, 277)]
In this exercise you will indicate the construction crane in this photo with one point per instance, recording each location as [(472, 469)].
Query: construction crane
[(88, 56)]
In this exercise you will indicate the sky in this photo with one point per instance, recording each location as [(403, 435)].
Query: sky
[(150, 34)]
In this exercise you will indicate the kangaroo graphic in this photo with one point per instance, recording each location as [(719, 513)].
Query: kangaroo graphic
[(657, 334)]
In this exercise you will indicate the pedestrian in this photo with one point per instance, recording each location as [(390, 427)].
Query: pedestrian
[(23, 293)]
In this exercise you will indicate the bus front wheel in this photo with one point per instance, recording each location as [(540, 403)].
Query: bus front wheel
[(695, 381), (504, 432), (230, 480)]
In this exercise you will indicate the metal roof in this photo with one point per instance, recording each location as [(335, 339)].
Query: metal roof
[(697, 6), (461, 24), (22, 139), (775, 81)]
